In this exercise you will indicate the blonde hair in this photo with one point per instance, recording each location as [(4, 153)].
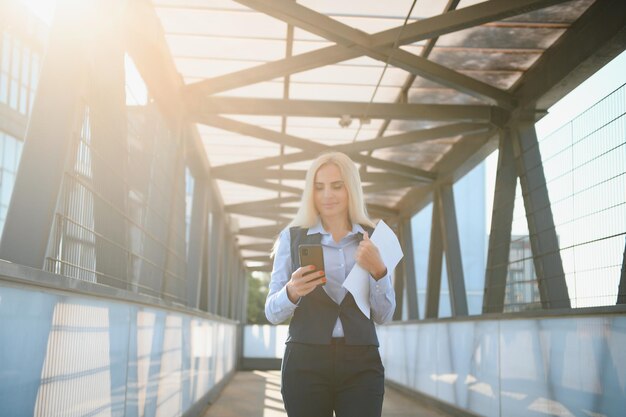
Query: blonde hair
[(307, 214)]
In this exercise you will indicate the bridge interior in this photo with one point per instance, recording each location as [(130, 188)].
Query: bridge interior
[(152, 150)]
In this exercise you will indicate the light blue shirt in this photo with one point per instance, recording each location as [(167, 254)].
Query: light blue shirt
[(339, 258)]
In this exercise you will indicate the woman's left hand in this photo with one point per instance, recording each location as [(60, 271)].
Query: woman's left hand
[(368, 257)]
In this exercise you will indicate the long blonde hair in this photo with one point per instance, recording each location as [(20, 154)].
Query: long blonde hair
[(307, 214)]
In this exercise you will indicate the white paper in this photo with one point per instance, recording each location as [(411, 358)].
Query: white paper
[(357, 281)]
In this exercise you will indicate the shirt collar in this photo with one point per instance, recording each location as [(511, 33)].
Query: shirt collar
[(318, 228)]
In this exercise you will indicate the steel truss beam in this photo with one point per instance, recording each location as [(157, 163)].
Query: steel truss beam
[(424, 29), (215, 248), (501, 223), (292, 174), (262, 215), (381, 211), (197, 242), (543, 239), (311, 147), (402, 96), (464, 155), (395, 183), (319, 24), (51, 128), (235, 170), (253, 211), (272, 202), (109, 139), (261, 258), (444, 237), (621, 293), (262, 231), (599, 34), (318, 108), (263, 268), (409, 270), (452, 249), (147, 46), (259, 247), (435, 260), (398, 285)]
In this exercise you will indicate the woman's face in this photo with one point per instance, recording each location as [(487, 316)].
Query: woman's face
[(330, 192)]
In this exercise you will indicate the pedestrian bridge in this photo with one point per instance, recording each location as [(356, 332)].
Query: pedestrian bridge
[(151, 151)]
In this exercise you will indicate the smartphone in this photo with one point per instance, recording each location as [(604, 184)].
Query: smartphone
[(312, 255)]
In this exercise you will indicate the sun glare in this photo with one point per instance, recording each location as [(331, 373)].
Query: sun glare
[(43, 9)]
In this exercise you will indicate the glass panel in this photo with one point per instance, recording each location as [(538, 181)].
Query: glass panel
[(14, 94), (196, 68), (25, 65), (9, 160), (261, 50), (220, 23), (420, 229), (584, 166), (521, 291), (34, 71), (4, 88), (15, 62), (31, 101), (469, 199), (23, 100), (136, 89), (189, 189), (8, 181), (6, 52)]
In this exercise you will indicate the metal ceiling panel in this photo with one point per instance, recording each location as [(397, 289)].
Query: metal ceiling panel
[(239, 52)]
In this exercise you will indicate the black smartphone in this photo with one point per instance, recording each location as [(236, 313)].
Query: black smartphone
[(311, 254)]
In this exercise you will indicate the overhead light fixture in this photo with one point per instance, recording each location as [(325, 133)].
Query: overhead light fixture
[(345, 120)]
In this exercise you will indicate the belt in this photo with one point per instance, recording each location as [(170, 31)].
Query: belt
[(337, 340)]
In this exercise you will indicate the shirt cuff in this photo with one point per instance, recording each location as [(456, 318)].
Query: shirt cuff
[(381, 286), (284, 303)]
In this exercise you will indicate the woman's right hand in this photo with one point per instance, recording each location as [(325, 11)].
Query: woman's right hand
[(303, 281)]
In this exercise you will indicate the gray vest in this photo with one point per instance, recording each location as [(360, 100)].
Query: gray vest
[(317, 313)]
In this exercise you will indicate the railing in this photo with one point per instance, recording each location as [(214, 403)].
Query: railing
[(77, 348), (514, 364)]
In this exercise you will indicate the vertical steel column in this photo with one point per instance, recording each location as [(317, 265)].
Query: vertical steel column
[(435, 257), (409, 270), (501, 223), (398, 283), (452, 249), (543, 239), (241, 284), (229, 277), (107, 103), (234, 283), (205, 278), (225, 270), (51, 128), (621, 293), (214, 262), (197, 234), (175, 219), (244, 295)]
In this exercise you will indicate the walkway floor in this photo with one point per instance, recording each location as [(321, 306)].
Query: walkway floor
[(257, 394)]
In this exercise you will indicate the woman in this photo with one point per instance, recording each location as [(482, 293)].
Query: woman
[(331, 360)]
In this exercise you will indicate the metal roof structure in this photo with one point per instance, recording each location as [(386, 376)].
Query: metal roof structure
[(414, 92)]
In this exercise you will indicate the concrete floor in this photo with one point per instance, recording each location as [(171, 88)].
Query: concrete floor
[(257, 394)]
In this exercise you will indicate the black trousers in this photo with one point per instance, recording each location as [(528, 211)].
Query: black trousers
[(317, 379)]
